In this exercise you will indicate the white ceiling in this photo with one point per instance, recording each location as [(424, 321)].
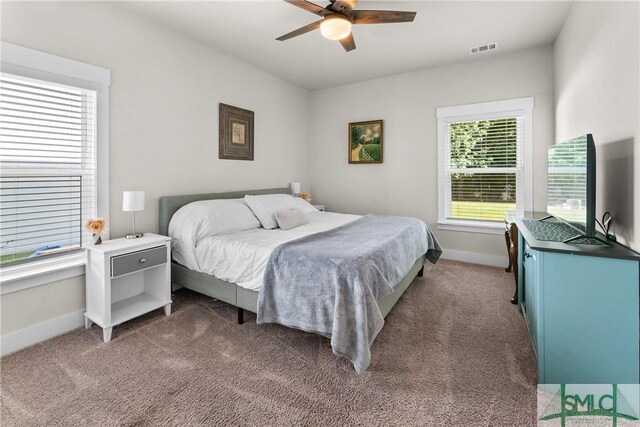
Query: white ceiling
[(442, 33)]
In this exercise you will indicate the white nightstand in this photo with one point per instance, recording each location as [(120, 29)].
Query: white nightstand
[(319, 207), (127, 278)]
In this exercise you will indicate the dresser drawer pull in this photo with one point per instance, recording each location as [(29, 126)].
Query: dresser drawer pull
[(143, 260)]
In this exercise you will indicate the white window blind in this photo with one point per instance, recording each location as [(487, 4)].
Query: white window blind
[(47, 167), (483, 173)]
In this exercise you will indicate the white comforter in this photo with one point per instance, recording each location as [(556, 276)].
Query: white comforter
[(242, 257)]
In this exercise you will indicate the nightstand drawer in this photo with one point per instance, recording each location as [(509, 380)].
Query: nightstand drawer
[(129, 263)]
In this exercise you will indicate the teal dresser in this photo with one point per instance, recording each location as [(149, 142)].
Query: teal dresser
[(581, 304)]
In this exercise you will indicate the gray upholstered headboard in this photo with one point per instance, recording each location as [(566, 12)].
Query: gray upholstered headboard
[(170, 204)]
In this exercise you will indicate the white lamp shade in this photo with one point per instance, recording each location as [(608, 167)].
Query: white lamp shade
[(335, 28), (295, 187), (132, 201)]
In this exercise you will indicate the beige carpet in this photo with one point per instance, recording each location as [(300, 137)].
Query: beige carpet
[(453, 352)]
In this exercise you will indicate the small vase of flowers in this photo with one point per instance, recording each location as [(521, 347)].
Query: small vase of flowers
[(96, 227)]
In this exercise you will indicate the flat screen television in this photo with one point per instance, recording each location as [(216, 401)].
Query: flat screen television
[(571, 183)]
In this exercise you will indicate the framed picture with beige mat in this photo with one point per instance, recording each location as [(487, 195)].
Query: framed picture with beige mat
[(236, 133)]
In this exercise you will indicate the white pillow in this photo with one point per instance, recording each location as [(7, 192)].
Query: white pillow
[(290, 218), (264, 207), (206, 218), (215, 217)]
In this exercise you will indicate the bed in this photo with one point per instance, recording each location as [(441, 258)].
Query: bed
[(245, 296)]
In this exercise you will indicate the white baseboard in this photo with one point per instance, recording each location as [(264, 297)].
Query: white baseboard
[(476, 258), (26, 337)]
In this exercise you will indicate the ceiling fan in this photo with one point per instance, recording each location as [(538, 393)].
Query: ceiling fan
[(339, 16)]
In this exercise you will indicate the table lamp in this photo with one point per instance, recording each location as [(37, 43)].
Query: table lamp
[(133, 201), (295, 189)]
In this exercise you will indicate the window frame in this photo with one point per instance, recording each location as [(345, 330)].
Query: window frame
[(31, 63), (484, 111)]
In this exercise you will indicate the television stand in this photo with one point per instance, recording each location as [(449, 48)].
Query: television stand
[(580, 305), (582, 236), (595, 240), (559, 231)]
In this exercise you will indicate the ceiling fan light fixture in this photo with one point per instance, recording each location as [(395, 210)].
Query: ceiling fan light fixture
[(335, 28)]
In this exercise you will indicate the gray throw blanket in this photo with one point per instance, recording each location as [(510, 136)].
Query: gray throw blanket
[(329, 283)]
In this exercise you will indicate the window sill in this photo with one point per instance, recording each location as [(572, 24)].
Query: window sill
[(484, 227), (37, 273)]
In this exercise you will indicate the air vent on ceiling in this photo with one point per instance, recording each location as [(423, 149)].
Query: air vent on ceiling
[(483, 48)]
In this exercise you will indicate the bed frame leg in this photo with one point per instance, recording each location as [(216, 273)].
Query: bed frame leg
[(240, 316), (421, 272)]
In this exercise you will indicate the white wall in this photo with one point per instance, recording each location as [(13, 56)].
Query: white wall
[(597, 90), (164, 97), (406, 183), (38, 313)]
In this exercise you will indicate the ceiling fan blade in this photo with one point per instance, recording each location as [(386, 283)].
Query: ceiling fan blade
[(310, 7), (381, 16), (348, 43), (344, 6), (300, 31)]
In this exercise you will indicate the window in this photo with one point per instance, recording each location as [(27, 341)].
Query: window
[(47, 163), (482, 168), (53, 134)]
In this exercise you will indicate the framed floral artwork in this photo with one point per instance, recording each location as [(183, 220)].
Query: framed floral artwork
[(236, 133)]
